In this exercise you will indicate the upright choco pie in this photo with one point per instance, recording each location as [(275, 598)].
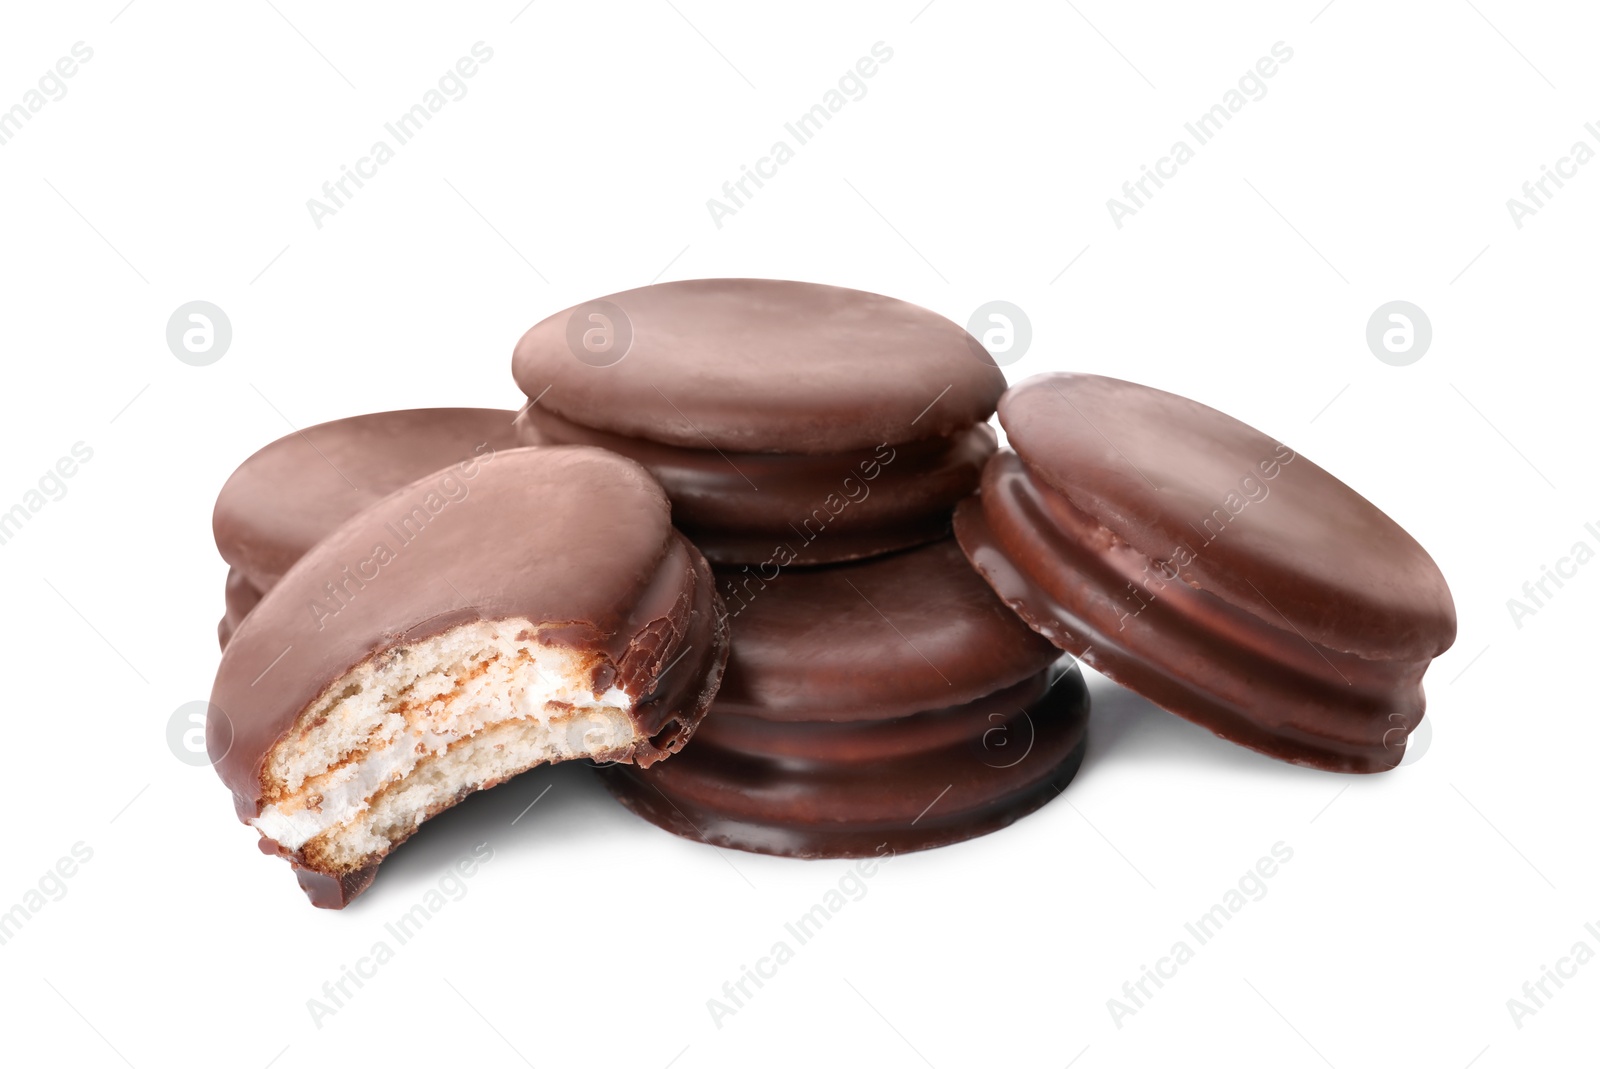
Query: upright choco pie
[(788, 422), (290, 493), (545, 611), (1210, 568), (888, 702)]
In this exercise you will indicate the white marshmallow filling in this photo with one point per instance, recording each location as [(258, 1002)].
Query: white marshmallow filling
[(413, 729)]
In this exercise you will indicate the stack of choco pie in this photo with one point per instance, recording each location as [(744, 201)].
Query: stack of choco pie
[(814, 442), (714, 553)]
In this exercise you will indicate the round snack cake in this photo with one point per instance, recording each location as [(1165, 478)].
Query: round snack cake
[(888, 704), (451, 635), (1211, 569), (789, 422), (290, 493)]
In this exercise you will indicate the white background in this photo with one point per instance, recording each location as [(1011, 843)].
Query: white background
[(977, 167)]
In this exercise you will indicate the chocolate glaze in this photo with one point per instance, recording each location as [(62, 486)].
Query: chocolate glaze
[(571, 535), (871, 640), (239, 597), (760, 365), (1250, 680), (288, 494), (820, 789), (855, 695), (1153, 468), (750, 508), (334, 892)]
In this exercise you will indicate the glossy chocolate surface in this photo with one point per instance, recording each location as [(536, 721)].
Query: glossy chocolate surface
[(239, 597), (753, 508), (288, 494), (1314, 673), (866, 788), (894, 700), (759, 365), (569, 535), (872, 640), (1233, 511)]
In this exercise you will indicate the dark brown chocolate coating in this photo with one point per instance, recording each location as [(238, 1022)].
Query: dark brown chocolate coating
[(866, 788), (239, 596), (857, 695), (574, 536), (872, 640), (801, 508), (1211, 569), (761, 365), (334, 892), (1156, 469), (288, 494)]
